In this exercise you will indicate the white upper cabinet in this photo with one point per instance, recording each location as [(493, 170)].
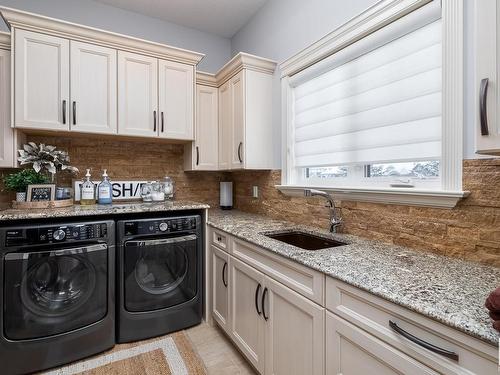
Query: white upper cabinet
[(176, 100), (487, 79), (7, 140), (41, 81), (66, 79), (238, 121), (137, 95), (93, 88), (204, 151), (247, 137), (246, 131), (225, 125)]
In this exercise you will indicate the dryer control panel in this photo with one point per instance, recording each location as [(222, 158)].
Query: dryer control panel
[(159, 226)]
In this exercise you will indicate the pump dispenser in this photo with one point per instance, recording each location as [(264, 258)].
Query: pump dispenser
[(105, 190), (87, 191)]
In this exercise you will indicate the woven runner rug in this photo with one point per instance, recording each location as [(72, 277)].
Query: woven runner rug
[(172, 354)]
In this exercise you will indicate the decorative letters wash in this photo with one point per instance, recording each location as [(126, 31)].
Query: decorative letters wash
[(122, 190)]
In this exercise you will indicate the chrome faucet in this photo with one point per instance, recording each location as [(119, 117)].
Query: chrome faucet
[(335, 216)]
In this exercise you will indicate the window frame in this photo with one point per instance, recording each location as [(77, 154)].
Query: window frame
[(371, 20)]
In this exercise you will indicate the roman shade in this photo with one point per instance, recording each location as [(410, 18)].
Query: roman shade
[(372, 104)]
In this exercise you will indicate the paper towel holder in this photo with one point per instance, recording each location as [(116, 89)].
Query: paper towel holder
[(226, 195)]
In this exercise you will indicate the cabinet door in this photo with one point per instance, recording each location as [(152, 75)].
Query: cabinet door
[(206, 150), (93, 88), (7, 151), (225, 125), (176, 100), (238, 121), (41, 80), (220, 291), (246, 323), (294, 332), (137, 95), (487, 38), (350, 350)]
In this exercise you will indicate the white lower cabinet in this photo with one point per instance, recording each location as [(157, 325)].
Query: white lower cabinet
[(220, 292), (352, 351), (287, 320), (277, 330), (294, 332), (247, 327)]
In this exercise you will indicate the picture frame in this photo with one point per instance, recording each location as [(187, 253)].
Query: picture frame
[(41, 192)]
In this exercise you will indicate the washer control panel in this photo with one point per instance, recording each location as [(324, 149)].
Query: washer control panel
[(55, 234), (159, 226)]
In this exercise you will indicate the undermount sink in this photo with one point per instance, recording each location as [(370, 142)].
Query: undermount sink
[(304, 240)]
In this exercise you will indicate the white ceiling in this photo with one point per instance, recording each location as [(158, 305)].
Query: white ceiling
[(219, 17)]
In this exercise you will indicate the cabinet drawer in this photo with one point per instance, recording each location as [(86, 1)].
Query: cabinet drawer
[(303, 280), (350, 350), (373, 315), (219, 239)]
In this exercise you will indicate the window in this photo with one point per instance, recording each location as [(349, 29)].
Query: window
[(370, 114)]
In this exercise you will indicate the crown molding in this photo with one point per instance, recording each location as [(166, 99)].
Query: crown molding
[(244, 61), (239, 62), (206, 79), (4, 40), (34, 22), (375, 17)]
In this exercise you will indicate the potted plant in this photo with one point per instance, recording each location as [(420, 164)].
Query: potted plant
[(20, 180)]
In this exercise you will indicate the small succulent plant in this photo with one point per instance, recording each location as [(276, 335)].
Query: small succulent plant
[(45, 158), (20, 180)]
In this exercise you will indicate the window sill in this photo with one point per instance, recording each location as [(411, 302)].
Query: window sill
[(404, 196)]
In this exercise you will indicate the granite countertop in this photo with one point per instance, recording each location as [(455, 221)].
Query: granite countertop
[(113, 209), (449, 290)]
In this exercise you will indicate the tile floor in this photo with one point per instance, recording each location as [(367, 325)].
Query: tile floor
[(217, 352)]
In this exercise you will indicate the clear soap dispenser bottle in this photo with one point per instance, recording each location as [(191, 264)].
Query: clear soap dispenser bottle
[(105, 190), (87, 191)]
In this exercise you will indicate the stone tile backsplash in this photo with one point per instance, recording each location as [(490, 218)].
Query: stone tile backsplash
[(470, 231)]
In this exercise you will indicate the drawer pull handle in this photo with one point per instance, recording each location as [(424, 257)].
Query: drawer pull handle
[(263, 301), (257, 299), (422, 343), (224, 274), (219, 239)]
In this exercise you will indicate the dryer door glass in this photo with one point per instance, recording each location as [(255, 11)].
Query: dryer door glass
[(51, 292), (160, 273)]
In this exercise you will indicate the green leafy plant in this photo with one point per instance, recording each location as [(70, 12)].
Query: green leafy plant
[(19, 181), (45, 159)]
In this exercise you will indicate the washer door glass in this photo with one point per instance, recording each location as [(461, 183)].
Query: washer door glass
[(160, 273), (51, 292)]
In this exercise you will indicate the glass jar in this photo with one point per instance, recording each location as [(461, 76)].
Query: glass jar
[(147, 192), (158, 191), (168, 187)]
